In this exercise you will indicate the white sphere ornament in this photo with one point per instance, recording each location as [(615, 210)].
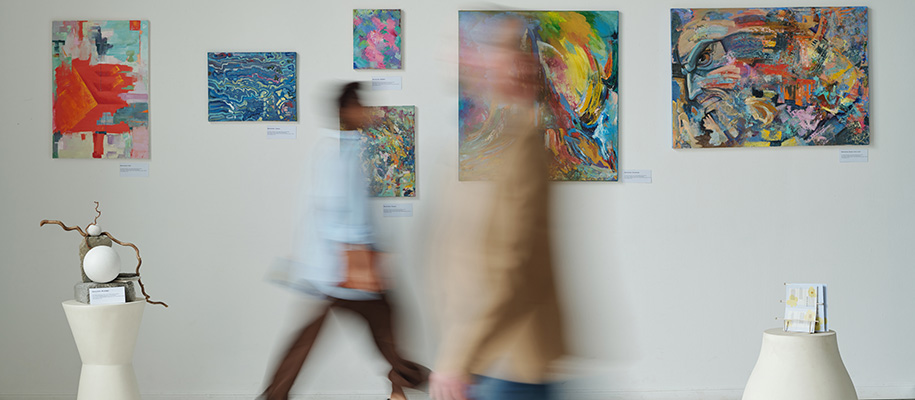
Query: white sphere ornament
[(102, 264), (93, 230)]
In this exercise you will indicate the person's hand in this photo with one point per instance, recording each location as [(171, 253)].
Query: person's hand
[(448, 386)]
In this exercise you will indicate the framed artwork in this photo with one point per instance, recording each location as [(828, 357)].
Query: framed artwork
[(578, 108), (257, 86), (388, 153), (376, 39), (100, 87), (768, 77)]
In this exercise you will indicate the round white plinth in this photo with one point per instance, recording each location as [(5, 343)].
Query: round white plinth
[(105, 336), (799, 366)]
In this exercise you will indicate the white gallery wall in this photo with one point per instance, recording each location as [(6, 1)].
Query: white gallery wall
[(668, 285)]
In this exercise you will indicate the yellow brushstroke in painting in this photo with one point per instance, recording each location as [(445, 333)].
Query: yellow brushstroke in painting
[(845, 74), (583, 86), (770, 136), (396, 137), (580, 83), (590, 150), (761, 109)]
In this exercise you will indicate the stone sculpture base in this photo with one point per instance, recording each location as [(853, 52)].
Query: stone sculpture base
[(105, 336)]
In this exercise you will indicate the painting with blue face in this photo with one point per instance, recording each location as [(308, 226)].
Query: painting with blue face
[(769, 77)]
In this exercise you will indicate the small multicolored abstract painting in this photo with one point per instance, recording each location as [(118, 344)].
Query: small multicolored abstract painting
[(100, 89), (388, 152), (376, 39), (577, 52), (252, 86), (769, 77)]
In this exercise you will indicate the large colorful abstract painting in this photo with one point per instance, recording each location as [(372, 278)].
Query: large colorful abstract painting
[(100, 89), (388, 152), (376, 39), (769, 77), (577, 53), (252, 86)]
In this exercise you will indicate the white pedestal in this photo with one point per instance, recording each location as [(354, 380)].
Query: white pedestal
[(105, 336), (799, 366)]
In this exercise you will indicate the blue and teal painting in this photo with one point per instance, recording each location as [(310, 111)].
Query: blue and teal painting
[(252, 86)]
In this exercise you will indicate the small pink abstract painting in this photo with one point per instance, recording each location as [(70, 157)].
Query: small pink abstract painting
[(376, 39)]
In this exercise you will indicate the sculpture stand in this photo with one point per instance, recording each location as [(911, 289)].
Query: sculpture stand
[(799, 366), (105, 336)]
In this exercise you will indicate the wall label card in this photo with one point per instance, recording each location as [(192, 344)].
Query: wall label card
[(111, 295), (850, 156), (387, 83), (134, 170), (397, 210), (281, 132), (637, 176)]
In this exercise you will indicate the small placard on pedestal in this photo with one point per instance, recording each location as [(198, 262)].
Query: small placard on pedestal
[(110, 295)]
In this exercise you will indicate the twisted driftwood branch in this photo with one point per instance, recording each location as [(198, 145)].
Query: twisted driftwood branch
[(139, 262), (113, 239), (95, 221), (66, 228)]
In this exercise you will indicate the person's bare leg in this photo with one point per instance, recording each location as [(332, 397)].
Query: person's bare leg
[(397, 393)]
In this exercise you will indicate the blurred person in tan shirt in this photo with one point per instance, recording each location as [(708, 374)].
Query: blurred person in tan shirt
[(502, 325)]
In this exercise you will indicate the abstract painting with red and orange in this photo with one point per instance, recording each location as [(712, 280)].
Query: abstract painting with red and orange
[(100, 89)]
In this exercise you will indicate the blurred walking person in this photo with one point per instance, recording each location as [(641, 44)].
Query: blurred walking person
[(337, 237), (503, 327)]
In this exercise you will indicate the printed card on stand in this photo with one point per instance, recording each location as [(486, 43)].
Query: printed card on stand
[(805, 308), (800, 308)]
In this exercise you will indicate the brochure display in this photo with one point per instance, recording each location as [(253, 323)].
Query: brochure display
[(805, 308)]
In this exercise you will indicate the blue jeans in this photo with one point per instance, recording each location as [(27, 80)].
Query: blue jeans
[(486, 388)]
